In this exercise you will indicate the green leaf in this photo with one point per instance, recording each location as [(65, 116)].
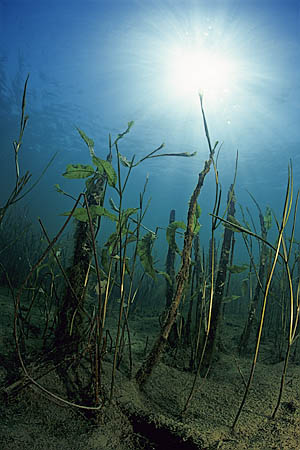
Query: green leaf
[(101, 164), (184, 154), (81, 214), (74, 171), (58, 188), (120, 135), (144, 249), (171, 233), (197, 214), (111, 242), (238, 269), (124, 161), (197, 227), (126, 213), (198, 211), (89, 142), (113, 205), (101, 211)]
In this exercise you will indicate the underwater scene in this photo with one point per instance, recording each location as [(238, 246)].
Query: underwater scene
[(149, 224)]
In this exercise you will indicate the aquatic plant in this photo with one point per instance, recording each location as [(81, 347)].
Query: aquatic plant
[(21, 181), (73, 321), (76, 337)]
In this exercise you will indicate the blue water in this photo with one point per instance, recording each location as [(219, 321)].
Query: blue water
[(99, 64)]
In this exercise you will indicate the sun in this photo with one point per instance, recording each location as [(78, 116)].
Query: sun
[(193, 69)]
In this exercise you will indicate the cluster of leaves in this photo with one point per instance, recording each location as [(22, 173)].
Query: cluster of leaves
[(100, 168)]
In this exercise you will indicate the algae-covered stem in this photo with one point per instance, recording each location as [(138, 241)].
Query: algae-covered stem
[(153, 357)]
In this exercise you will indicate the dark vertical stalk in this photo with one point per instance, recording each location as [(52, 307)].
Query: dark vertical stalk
[(146, 369), (170, 267), (220, 283)]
